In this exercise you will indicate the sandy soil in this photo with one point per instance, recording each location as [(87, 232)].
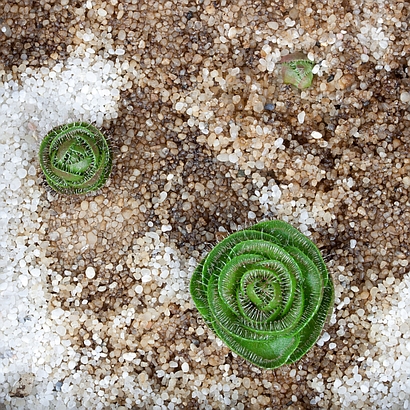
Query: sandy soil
[(207, 140)]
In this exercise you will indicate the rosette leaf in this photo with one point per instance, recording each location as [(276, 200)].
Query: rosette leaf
[(75, 158), (297, 70), (266, 293)]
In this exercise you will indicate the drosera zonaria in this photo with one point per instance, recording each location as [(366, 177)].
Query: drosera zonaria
[(266, 293), (297, 70), (75, 158)]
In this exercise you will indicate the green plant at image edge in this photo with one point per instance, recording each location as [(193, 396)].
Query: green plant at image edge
[(75, 158), (266, 293)]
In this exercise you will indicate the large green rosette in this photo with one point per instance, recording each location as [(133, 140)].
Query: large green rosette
[(266, 293)]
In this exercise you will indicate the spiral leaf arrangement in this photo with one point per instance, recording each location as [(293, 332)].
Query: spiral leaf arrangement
[(75, 158), (297, 70), (266, 293)]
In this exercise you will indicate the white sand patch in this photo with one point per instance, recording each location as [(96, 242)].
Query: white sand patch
[(85, 88)]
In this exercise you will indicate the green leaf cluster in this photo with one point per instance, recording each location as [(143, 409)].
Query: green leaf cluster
[(297, 70), (266, 293), (75, 158)]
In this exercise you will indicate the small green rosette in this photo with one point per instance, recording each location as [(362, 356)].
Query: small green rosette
[(75, 158), (297, 70)]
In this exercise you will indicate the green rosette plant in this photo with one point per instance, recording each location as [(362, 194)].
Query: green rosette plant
[(75, 158), (266, 293), (297, 70)]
